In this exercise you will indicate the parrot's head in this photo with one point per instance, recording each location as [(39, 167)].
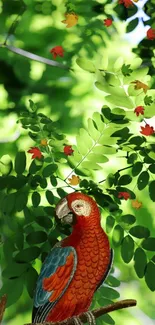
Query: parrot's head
[(76, 208)]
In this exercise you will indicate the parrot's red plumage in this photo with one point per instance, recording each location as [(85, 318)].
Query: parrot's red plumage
[(79, 264)]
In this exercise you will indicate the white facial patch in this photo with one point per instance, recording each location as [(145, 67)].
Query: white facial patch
[(81, 208)]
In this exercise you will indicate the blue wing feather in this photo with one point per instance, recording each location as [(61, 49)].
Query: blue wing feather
[(57, 257)]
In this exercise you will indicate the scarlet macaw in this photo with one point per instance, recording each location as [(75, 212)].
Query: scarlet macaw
[(76, 266)]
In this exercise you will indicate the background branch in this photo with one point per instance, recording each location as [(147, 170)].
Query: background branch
[(97, 312), (35, 57)]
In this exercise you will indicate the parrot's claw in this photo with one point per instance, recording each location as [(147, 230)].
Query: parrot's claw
[(77, 320), (91, 318)]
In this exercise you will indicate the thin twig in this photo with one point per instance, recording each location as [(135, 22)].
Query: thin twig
[(119, 170), (97, 312)]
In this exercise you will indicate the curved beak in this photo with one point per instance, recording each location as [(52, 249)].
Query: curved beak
[(63, 213)]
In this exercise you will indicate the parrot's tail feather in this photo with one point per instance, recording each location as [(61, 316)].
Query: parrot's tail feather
[(40, 314)]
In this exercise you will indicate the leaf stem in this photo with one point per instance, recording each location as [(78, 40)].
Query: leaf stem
[(119, 170)]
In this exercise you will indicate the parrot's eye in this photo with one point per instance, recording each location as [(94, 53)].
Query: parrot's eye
[(81, 207), (78, 206)]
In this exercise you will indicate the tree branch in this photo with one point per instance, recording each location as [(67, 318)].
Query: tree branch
[(119, 170), (35, 57), (97, 312)]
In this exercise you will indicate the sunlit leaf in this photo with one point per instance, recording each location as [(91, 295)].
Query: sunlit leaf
[(117, 236)]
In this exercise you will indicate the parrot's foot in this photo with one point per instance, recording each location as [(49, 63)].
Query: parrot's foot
[(77, 320), (91, 318)]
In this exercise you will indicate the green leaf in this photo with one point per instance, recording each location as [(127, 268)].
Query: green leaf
[(107, 319), (49, 170), (3, 182), (148, 100), (149, 276), (44, 222), (132, 25), (110, 221), (140, 232), (49, 210), (120, 101), (118, 64), (126, 69), (109, 293), (19, 238), (127, 249), (27, 255), (36, 199), (97, 158), (92, 165), (137, 61), (143, 180), (122, 133), (112, 281), (149, 244), (21, 200), (17, 182), (36, 237), (8, 203), (83, 134), (127, 219), (35, 166), (43, 183), (137, 140), (99, 121), (28, 215), (152, 168), (151, 154), (140, 262), (50, 197), (8, 249), (33, 106), (31, 279), (61, 192), (53, 181), (137, 167), (20, 162), (13, 289), (152, 191), (108, 150), (132, 157), (85, 64), (94, 133), (124, 180), (112, 90), (14, 270), (5, 165), (117, 236)]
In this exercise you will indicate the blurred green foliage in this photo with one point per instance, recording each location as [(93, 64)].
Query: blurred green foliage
[(90, 107)]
